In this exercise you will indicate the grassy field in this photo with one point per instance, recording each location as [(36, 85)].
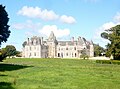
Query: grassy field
[(58, 74)]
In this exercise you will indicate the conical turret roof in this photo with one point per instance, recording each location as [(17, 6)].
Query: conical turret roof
[(52, 36)]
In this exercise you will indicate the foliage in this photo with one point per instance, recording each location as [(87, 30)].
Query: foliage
[(108, 62), (113, 35), (4, 28), (9, 50), (104, 35), (84, 54), (98, 50), (59, 74), (18, 54), (2, 54), (24, 43)]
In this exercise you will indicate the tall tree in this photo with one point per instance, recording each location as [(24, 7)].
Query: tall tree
[(113, 35), (4, 27)]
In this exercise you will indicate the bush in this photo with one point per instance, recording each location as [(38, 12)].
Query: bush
[(108, 62), (84, 56), (2, 57)]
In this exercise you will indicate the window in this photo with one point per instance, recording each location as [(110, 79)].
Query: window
[(66, 54), (62, 55), (74, 48), (58, 54), (75, 54), (61, 48), (30, 55), (67, 48), (34, 54), (72, 54), (30, 48)]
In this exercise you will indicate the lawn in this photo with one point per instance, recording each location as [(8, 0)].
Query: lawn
[(58, 74)]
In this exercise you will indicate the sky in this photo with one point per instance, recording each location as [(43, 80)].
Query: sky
[(66, 18)]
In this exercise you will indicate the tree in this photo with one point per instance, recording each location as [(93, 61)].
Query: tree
[(11, 50), (98, 50), (18, 54), (113, 35), (8, 51), (4, 28), (3, 54), (84, 54), (24, 43)]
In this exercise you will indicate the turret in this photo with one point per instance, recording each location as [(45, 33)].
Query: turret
[(91, 49), (52, 44)]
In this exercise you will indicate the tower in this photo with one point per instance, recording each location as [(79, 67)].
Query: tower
[(91, 49), (52, 45)]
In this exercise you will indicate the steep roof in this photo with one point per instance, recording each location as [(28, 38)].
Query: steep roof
[(52, 36)]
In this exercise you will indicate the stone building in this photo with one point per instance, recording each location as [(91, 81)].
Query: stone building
[(51, 48)]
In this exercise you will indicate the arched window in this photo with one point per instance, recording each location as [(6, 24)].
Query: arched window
[(58, 54), (75, 54)]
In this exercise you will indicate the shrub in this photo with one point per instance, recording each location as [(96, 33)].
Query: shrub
[(84, 56), (108, 62)]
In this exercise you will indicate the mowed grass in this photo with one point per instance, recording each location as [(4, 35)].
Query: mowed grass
[(58, 74)]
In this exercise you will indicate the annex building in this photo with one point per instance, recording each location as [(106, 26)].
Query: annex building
[(36, 47)]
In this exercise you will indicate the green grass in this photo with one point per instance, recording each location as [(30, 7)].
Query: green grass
[(58, 74)]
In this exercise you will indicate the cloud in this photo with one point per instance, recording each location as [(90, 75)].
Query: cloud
[(31, 29), (36, 12), (117, 17), (27, 25), (97, 37), (101, 29), (29, 33), (46, 30), (67, 19)]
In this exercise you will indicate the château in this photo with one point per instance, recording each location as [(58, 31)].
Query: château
[(36, 47)]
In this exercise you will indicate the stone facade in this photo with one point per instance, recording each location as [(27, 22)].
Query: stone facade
[(51, 48)]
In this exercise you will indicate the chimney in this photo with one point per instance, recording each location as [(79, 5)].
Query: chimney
[(28, 41), (79, 38), (41, 40), (72, 39)]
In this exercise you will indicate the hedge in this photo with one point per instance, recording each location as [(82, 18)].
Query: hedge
[(108, 62)]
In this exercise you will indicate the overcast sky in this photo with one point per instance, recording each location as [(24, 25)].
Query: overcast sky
[(66, 18)]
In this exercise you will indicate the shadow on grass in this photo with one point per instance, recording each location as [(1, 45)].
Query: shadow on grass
[(11, 67), (6, 85), (3, 75)]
